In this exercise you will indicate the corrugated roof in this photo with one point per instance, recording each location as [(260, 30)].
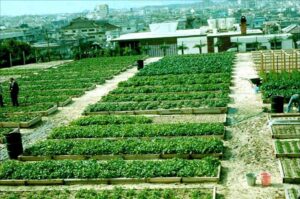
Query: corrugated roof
[(154, 35), (289, 28)]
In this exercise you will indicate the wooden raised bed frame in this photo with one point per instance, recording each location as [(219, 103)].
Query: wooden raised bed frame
[(284, 136), (21, 124), (287, 179), (211, 110), (160, 180)]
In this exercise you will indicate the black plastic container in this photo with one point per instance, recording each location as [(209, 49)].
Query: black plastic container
[(140, 64), (14, 144), (277, 104)]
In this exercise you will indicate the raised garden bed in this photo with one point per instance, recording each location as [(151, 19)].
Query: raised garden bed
[(286, 131), (287, 148), (65, 103), (28, 124), (113, 157), (196, 146), (211, 110), (5, 131), (137, 130), (292, 193), (166, 171), (116, 192), (290, 170)]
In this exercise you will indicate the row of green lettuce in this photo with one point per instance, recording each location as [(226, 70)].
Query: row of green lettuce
[(174, 82), (116, 193), (283, 84)]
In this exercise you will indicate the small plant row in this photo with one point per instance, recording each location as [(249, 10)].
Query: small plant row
[(3, 132), (291, 170), (25, 109), (292, 193), (156, 105), (134, 130), (177, 79), (191, 64), (185, 145), (109, 119), (172, 88), (17, 72), (285, 84), (41, 99), (117, 192), (285, 131), (165, 96), (290, 148), (87, 169)]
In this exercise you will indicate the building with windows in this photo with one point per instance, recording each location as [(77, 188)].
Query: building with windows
[(89, 30), (231, 37)]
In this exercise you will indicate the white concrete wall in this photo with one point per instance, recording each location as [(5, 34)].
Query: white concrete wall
[(264, 40), (190, 42)]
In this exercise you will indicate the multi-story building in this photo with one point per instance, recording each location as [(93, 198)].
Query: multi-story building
[(89, 30)]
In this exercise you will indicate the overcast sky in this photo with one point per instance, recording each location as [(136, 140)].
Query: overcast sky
[(17, 7)]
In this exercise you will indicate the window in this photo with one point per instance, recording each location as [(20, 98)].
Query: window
[(250, 46), (84, 30), (276, 45), (92, 30), (74, 31)]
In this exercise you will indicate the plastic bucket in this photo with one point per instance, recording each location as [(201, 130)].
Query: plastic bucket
[(265, 179), (251, 179)]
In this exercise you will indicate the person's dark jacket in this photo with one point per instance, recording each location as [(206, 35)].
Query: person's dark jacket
[(14, 88)]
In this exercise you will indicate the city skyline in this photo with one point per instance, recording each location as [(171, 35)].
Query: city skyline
[(34, 7)]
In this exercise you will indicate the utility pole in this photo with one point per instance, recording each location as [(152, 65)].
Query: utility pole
[(10, 61), (48, 45), (24, 58)]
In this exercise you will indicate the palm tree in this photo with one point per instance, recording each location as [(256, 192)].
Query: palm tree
[(200, 46), (145, 49), (295, 39), (164, 48), (274, 41), (237, 45), (219, 44), (127, 51), (257, 44), (182, 47)]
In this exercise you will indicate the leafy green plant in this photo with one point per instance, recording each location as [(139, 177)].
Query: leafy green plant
[(109, 169), (185, 145), (135, 130)]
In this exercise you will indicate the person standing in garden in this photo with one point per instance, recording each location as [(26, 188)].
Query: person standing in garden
[(1, 95), (14, 91), (295, 99)]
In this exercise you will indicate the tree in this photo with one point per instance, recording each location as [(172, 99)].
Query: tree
[(182, 47), (219, 44), (145, 49), (164, 48), (295, 39), (127, 51), (257, 44), (15, 49), (274, 41), (200, 46)]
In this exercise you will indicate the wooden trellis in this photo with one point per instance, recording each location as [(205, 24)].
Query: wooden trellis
[(277, 61)]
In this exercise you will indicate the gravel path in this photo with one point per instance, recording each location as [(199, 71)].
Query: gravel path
[(73, 111), (249, 143)]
